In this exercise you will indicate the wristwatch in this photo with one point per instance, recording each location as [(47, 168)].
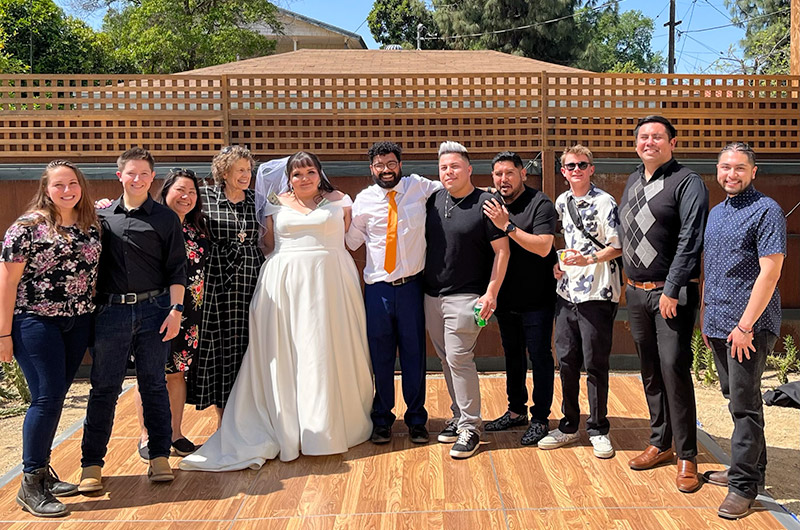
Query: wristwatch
[(594, 258), (510, 227), (177, 307)]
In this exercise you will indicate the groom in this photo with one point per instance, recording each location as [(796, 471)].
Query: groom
[(389, 217)]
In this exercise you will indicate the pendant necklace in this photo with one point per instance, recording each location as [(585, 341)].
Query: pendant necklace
[(241, 224), (448, 212)]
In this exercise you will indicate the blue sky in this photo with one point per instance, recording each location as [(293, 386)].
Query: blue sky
[(695, 50)]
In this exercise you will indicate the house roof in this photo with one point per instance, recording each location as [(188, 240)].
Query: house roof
[(386, 62), (323, 25)]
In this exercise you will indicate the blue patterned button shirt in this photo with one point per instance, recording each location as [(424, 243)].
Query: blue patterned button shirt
[(600, 281), (740, 230)]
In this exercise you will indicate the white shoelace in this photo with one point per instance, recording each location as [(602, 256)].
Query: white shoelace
[(464, 437)]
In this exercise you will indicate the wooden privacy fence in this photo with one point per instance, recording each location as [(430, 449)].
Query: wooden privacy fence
[(95, 117)]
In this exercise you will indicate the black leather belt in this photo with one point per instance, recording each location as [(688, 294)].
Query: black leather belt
[(133, 298), (407, 279)]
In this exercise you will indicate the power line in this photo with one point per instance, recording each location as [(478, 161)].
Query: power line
[(690, 12), (718, 10), (738, 23), (527, 26)]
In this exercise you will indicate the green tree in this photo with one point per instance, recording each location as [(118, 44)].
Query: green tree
[(396, 21), (57, 43), (166, 36), (549, 31), (619, 42), (766, 39)]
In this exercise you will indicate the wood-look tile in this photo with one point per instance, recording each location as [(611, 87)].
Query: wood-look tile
[(634, 519), (399, 485)]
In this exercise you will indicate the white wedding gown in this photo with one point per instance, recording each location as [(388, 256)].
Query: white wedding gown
[(305, 385)]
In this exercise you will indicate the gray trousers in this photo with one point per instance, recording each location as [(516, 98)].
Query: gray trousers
[(454, 333)]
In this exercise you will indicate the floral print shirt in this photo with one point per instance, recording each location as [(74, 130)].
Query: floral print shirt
[(60, 268), (600, 281)]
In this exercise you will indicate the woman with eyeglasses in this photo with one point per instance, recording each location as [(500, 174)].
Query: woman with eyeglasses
[(180, 193), (48, 272), (305, 385), (231, 274)]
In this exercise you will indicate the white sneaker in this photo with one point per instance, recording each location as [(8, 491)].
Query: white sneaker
[(602, 446), (556, 439)]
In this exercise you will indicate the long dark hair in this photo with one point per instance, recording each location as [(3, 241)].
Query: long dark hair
[(42, 205), (195, 217), (306, 159)]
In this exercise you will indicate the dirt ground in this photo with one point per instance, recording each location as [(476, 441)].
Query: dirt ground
[(782, 433)]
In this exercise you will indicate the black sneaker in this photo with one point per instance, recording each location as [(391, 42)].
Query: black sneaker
[(418, 434), (536, 431), (381, 434), (506, 422), (144, 452), (466, 445), (450, 432), (183, 447)]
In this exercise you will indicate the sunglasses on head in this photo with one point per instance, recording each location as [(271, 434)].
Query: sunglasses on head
[(181, 170), (580, 165)]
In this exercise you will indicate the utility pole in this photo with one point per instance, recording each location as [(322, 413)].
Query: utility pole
[(671, 25), (794, 41)]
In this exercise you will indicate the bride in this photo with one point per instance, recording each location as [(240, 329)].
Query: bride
[(305, 385)]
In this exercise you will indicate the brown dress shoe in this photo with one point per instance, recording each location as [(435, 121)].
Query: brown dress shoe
[(734, 506), (717, 478), (651, 457), (687, 480)]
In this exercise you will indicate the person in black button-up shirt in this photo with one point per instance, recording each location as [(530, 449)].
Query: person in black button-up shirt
[(140, 288)]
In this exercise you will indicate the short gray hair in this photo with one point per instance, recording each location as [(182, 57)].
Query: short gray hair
[(447, 148), (739, 147)]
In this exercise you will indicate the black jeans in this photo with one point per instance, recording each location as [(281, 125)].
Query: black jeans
[(741, 386), (531, 330), (665, 353), (583, 337)]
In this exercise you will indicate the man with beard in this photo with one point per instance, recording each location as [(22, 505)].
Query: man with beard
[(389, 217), (526, 303)]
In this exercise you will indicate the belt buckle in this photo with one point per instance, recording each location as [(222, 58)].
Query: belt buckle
[(130, 298)]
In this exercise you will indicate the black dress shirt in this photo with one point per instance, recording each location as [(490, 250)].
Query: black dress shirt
[(143, 249)]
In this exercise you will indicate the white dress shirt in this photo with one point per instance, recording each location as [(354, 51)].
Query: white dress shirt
[(370, 218)]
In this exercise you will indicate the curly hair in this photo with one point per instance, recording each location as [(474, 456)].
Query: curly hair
[(224, 160)]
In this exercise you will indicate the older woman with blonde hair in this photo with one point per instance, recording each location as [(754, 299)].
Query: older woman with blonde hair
[(48, 270), (230, 278)]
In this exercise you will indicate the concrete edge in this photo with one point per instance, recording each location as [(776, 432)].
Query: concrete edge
[(781, 514), (72, 429)]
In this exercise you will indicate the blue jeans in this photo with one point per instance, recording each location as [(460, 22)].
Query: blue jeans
[(531, 330), (122, 330), (49, 350)]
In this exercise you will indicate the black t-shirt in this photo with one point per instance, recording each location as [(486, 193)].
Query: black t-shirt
[(459, 254), (529, 283)]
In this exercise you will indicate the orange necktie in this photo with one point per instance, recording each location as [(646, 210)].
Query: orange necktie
[(390, 261)]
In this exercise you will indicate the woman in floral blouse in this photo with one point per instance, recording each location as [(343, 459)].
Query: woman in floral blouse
[(180, 193), (48, 269)]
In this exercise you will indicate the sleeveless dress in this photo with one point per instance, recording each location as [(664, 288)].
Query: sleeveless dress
[(305, 385)]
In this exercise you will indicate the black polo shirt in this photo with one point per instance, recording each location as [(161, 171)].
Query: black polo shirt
[(529, 284), (143, 249)]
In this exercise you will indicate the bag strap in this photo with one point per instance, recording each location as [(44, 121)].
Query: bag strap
[(572, 208)]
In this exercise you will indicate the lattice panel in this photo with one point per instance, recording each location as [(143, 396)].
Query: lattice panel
[(335, 137), (108, 135), (81, 93), (420, 93)]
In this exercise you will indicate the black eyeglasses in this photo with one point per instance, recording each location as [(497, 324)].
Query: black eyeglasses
[(580, 165), (390, 165), (177, 170)]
